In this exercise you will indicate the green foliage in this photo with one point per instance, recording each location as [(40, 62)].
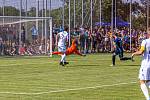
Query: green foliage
[(32, 12), (9, 11)]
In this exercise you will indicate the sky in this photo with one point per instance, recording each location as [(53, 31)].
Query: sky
[(132, 0), (32, 3)]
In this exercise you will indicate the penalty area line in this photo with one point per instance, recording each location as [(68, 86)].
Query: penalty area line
[(66, 90)]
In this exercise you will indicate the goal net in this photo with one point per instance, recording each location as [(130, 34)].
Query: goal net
[(33, 35)]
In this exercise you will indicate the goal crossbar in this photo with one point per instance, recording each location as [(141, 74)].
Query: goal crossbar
[(23, 17), (20, 21), (46, 24)]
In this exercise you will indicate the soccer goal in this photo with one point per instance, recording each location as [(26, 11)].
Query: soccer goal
[(31, 31)]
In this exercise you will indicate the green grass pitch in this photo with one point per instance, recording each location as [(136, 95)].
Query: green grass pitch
[(85, 78)]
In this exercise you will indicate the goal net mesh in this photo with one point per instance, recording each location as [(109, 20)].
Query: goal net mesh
[(32, 33)]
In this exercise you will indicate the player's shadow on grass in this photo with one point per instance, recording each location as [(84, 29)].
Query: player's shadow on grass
[(131, 65)]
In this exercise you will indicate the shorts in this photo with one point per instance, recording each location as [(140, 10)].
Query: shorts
[(62, 48), (119, 52), (34, 37), (144, 73)]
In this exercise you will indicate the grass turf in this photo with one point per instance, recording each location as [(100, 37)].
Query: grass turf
[(85, 78)]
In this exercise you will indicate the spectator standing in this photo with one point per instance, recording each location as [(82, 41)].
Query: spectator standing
[(34, 32)]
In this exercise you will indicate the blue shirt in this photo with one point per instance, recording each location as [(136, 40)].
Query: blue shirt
[(118, 43), (34, 31)]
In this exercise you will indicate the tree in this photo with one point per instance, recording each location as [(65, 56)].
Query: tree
[(32, 12), (9, 11)]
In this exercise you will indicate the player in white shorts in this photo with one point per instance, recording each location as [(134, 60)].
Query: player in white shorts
[(62, 40), (144, 73)]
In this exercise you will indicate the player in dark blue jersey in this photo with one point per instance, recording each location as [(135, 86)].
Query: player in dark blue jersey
[(118, 50)]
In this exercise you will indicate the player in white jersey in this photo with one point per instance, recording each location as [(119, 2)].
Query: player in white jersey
[(62, 40), (144, 73)]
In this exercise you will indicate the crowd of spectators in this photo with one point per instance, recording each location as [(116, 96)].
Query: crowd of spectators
[(99, 40), (11, 44)]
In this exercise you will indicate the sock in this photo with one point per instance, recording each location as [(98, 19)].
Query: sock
[(63, 57), (125, 58), (145, 91), (113, 59)]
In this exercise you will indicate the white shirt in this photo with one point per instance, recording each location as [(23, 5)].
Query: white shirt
[(63, 36), (146, 54)]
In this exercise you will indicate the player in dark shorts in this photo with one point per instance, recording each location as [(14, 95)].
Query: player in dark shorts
[(118, 50)]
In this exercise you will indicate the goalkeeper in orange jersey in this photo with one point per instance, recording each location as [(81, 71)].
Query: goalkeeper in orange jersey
[(71, 50)]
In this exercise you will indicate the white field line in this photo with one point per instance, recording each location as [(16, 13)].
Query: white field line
[(65, 90)]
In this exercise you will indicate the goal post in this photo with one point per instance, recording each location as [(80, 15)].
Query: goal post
[(25, 27)]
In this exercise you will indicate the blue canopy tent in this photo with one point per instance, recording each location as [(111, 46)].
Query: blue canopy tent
[(102, 24), (119, 22)]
